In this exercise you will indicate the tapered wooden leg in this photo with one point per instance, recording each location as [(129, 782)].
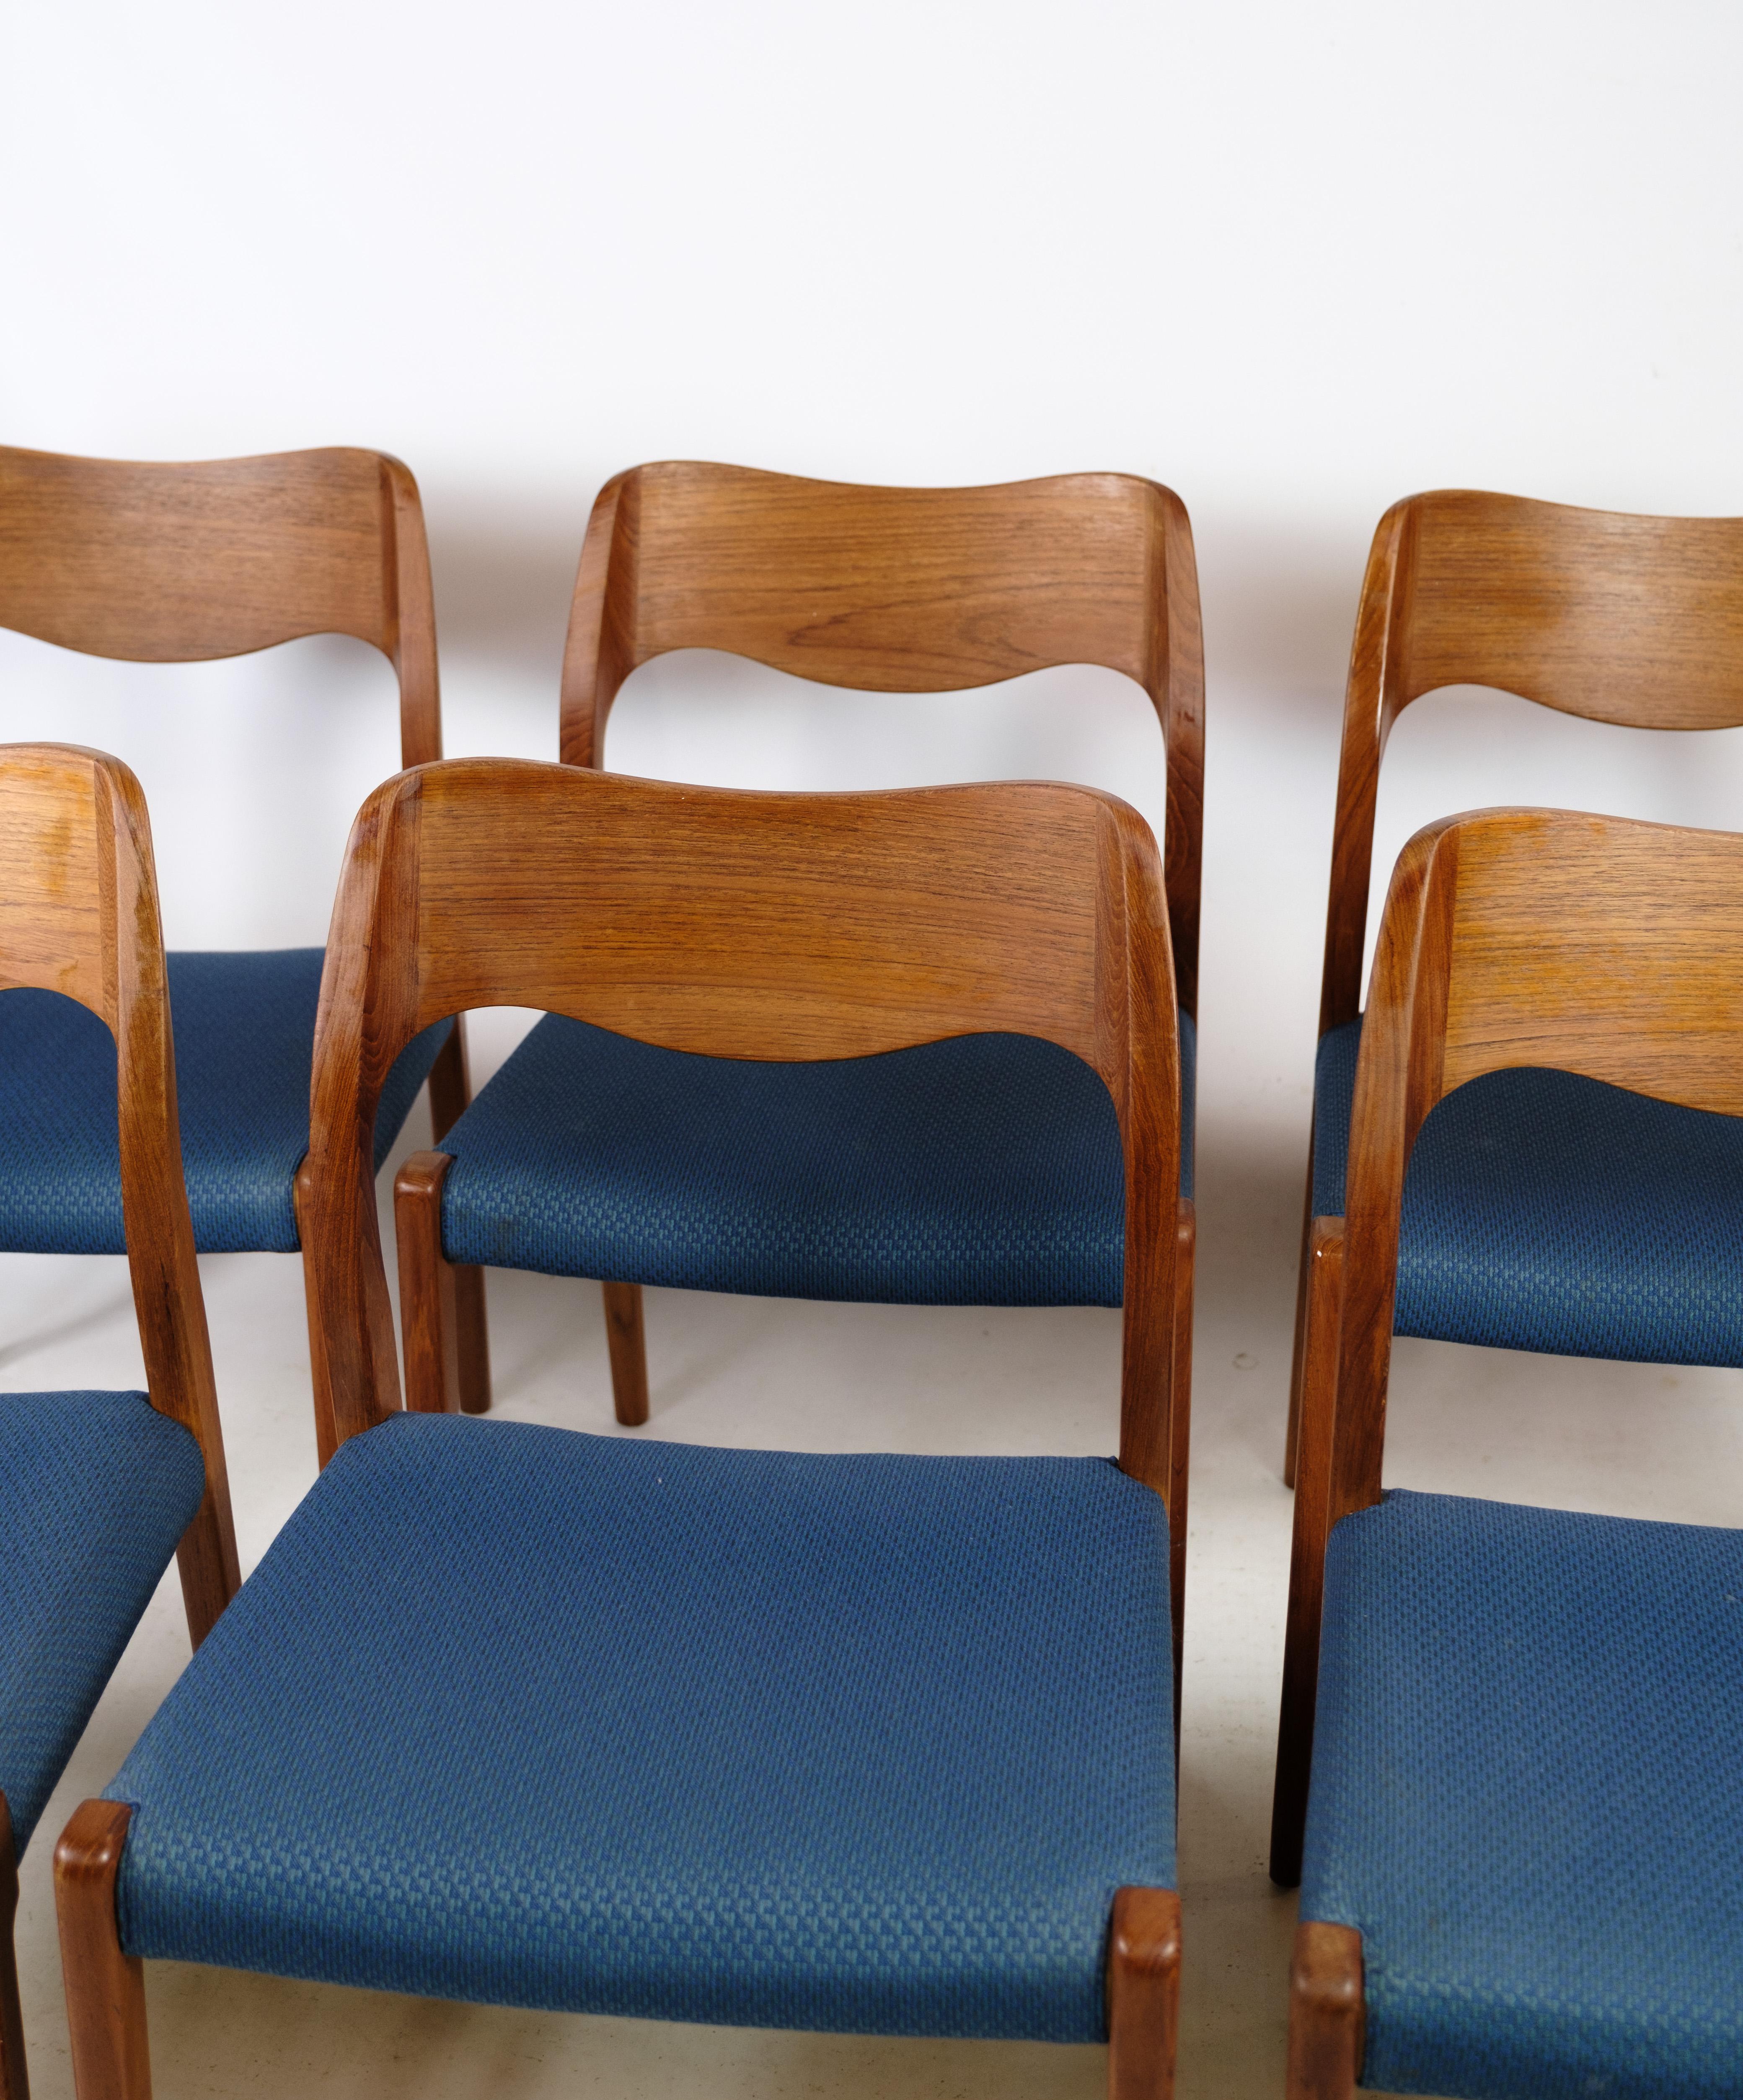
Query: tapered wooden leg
[(1144, 1994), (428, 1337), (450, 1093), (1307, 1565), (1180, 1438), (1299, 1357), (105, 1988), (326, 1433), (1327, 2013), (625, 1340), (14, 2082)]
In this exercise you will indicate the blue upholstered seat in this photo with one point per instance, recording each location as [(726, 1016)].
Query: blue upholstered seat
[(983, 1171), (245, 1047), (515, 1714), (95, 1490), (1527, 1797), (1544, 1210)]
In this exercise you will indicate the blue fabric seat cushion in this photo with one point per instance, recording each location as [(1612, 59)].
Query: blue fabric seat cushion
[(983, 1170), (95, 1490), (1527, 1797), (1546, 1210), (245, 1049), (518, 1716)]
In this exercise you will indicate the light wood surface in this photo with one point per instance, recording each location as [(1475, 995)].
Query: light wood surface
[(1143, 1992), (105, 1988), (79, 915)]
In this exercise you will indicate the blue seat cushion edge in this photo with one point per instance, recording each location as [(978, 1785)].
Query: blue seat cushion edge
[(1526, 1797), (95, 1490), (985, 1169), (514, 1714), (1548, 1212), (244, 1045)]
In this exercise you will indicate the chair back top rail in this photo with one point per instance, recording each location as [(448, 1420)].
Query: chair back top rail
[(901, 590), (1525, 938), (1636, 620), (79, 915), (173, 562), (769, 926)]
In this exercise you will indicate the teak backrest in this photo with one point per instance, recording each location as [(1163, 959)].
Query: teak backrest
[(1517, 938), (901, 590), (1636, 620), (747, 925), (79, 915), (160, 563)]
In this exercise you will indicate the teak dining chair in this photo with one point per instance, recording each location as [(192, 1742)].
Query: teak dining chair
[(1536, 1228), (176, 563), (1520, 1874), (98, 1489), (871, 1744), (978, 1174)]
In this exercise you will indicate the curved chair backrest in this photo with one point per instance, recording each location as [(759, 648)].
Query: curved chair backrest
[(747, 925), (1516, 937), (1621, 618), (79, 915), (161, 563), (902, 590)]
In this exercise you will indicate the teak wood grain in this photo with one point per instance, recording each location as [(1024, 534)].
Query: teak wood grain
[(105, 1986), (1511, 937), (1144, 1992), (1327, 2014), (1630, 619)]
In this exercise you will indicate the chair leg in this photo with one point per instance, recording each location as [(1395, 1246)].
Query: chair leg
[(326, 1429), (1299, 1357), (14, 2082), (1307, 1564), (1180, 1437), (429, 1335), (1144, 1994), (450, 1094), (105, 1986), (623, 1338), (1327, 2013)]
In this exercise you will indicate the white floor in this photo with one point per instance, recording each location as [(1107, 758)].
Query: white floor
[(1607, 1436)]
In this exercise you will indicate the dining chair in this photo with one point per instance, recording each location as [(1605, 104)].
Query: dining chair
[(176, 563), (98, 1490), (1538, 1228), (979, 1174), (513, 1713), (1518, 1875)]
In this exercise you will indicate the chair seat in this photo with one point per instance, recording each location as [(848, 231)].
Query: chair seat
[(1527, 1796), (1544, 1210), (517, 1715), (245, 1048), (983, 1170), (95, 1490)]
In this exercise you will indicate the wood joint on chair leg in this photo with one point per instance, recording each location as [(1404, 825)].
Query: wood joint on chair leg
[(14, 2082), (1144, 1992), (105, 1986), (629, 1349), (429, 1331), (1327, 2013)]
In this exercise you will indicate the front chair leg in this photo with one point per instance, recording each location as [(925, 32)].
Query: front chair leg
[(1327, 2013), (15, 2084), (1144, 1994), (629, 1348), (105, 1986)]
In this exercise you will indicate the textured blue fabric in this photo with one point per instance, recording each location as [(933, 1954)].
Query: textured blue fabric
[(245, 1049), (983, 1171), (95, 1490), (1527, 1797), (518, 1716), (1545, 1210)]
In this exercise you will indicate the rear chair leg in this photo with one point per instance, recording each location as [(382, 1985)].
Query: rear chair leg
[(1144, 1993), (1180, 1437), (428, 1330), (105, 1988), (1327, 2014), (623, 1338), (1298, 1361), (14, 2084), (450, 1093)]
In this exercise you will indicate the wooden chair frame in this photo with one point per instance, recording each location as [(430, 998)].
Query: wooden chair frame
[(891, 590), (1617, 618), (736, 924), (160, 563), (79, 915), (1510, 938)]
